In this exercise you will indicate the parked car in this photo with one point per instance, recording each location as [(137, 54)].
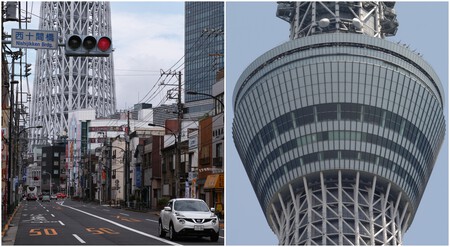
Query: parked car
[(45, 198), (53, 197), (60, 195), (187, 216)]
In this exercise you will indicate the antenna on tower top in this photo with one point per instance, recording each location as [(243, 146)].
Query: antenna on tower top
[(376, 19)]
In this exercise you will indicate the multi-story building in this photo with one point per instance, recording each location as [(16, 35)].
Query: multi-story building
[(152, 173), (204, 50), (339, 129), (52, 166)]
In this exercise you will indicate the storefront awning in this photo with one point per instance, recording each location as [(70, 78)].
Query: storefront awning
[(214, 181)]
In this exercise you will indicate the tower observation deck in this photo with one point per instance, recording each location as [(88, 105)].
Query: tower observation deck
[(339, 129), (63, 84)]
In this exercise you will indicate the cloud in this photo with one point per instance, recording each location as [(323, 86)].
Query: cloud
[(144, 44)]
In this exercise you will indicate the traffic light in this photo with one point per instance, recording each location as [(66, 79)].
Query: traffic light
[(27, 69), (88, 46)]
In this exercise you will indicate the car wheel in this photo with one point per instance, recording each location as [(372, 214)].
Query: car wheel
[(172, 233), (161, 232), (214, 237)]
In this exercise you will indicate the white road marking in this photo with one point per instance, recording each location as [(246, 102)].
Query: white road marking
[(79, 239), (52, 215), (124, 214), (123, 226), (60, 222), (152, 220), (47, 211)]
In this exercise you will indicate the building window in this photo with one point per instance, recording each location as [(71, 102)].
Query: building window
[(219, 152)]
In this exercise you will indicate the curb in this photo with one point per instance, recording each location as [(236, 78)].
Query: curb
[(5, 230)]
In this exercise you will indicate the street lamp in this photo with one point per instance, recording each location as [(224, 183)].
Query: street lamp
[(177, 156), (205, 94), (32, 127)]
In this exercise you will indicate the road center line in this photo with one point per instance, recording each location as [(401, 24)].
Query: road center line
[(152, 220), (79, 239), (52, 215), (124, 214), (123, 226), (60, 222)]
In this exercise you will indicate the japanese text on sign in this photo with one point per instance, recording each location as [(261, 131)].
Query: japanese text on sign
[(35, 39)]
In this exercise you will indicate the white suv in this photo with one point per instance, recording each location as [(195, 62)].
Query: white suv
[(186, 216)]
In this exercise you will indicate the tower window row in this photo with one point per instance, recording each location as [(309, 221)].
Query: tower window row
[(342, 111), (378, 163)]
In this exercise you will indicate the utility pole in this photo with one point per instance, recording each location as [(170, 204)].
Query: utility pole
[(127, 165), (109, 170), (178, 141), (15, 56)]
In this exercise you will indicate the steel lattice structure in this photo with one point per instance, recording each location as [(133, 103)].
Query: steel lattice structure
[(341, 210), (339, 129), (63, 84)]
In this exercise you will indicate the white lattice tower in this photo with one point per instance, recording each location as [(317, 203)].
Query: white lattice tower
[(340, 209), (376, 19), (65, 83)]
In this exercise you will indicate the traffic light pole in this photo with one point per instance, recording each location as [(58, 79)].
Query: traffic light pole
[(180, 117)]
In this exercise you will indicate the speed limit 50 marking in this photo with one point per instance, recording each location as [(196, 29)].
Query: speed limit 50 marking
[(40, 232)]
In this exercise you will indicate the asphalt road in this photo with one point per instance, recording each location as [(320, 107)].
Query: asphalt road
[(66, 222)]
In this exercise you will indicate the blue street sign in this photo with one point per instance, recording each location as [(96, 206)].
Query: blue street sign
[(34, 39)]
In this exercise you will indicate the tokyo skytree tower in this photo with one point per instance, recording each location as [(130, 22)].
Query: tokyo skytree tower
[(339, 129), (63, 84)]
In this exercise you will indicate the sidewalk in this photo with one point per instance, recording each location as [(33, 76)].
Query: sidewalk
[(10, 230)]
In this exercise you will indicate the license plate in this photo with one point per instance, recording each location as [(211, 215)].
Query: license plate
[(198, 228)]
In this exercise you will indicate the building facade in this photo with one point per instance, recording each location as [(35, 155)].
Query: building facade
[(204, 50), (339, 129), (52, 166)]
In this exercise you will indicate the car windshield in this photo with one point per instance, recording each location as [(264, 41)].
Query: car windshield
[(187, 205)]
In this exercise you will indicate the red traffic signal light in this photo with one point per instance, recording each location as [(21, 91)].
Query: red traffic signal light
[(104, 44), (88, 46)]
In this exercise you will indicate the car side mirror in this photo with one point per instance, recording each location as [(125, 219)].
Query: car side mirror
[(213, 210), (167, 209)]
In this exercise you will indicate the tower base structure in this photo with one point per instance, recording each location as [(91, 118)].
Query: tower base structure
[(340, 208)]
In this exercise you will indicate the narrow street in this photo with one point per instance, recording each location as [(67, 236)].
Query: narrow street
[(66, 222)]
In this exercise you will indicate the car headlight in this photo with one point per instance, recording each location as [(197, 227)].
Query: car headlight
[(178, 214), (182, 221), (214, 221)]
